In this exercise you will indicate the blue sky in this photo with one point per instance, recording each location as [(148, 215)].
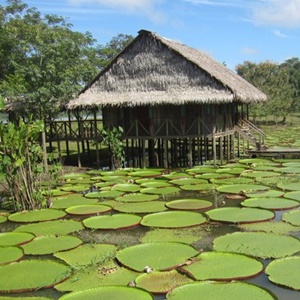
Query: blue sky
[(231, 31)]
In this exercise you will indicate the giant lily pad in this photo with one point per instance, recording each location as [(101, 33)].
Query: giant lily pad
[(72, 200), (264, 194), (153, 183), (109, 292), (258, 244), (182, 235), (184, 181), (103, 275), (189, 204), (76, 188), (87, 254), (157, 256), (161, 282), (117, 221), (223, 266), (255, 174), (241, 188), (137, 197), (240, 215), (293, 195), (36, 215), (272, 203), (145, 173), (104, 194), (292, 186), (285, 272), (15, 238), (161, 190), (198, 187), (3, 219), (126, 187), (292, 217), (30, 275), (9, 254), (142, 207), (56, 227), (219, 291), (88, 209), (173, 219), (50, 244)]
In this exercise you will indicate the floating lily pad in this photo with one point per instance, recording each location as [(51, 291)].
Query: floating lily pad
[(145, 173), (117, 221), (15, 238), (153, 183), (161, 282), (223, 266), (293, 186), (109, 292), (240, 215), (257, 161), (264, 194), (88, 209), (9, 254), (258, 244), (219, 291), (173, 219), (176, 175), (235, 180), (103, 275), (270, 227), (201, 170), (214, 175), (189, 204), (292, 164), (198, 187), (271, 203), (184, 181), (157, 256), (113, 179), (126, 187), (182, 235), (241, 188), (255, 174), (30, 275), (142, 207), (137, 197), (285, 272), (57, 227), (235, 171), (75, 188), (292, 217), (289, 170), (71, 200), (87, 254), (160, 191), (50, 244), (71, 176), (293, 195), (104, 194), (36, 215), (56, 192)]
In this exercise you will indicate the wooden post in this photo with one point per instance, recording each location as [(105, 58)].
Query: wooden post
[(165, 146), (190, 154), (214, 147), (143, 153)]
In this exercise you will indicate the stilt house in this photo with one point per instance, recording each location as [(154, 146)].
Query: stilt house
[(176, 105)]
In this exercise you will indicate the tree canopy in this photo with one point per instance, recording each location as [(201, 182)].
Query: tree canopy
[(43, 62)]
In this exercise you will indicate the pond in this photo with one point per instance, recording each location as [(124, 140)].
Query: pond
[(155, 229)]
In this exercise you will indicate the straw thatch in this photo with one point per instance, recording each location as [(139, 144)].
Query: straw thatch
[(154, 70)]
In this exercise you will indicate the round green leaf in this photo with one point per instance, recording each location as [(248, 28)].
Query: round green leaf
[(9, 254), (258, 244), (173, 219), (292, 186), (161, 190), (189, 204), (87, 254), (242, 188), (88, 209), (223, 266), (104, 194), (153, 183), (30, 275), (219, 291), (117, 221), (126, 187), (72, 200), (137, 197), (75, 188), (15, 238), (36, 215), (50, 244), (292, 217), (145, 173), (157, 256), (161, 282), (285, 272), (271, 203), (269, 193), (58, 227), (185, 181), (3, 219), (109, 292), (197, 187), (255, 174), (141, 207), (240, 215), (293, 195)]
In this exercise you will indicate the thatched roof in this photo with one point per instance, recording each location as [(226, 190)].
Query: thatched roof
[(154, 70)]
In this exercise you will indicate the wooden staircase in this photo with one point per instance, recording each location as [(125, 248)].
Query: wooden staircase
[(251, 133)]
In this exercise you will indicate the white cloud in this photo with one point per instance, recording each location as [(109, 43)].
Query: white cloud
[(284, 13), (279, 33), (232, 3), (249, 51), (143, 7)]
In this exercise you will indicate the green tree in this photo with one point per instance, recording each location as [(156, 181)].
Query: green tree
[(274, 81)]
